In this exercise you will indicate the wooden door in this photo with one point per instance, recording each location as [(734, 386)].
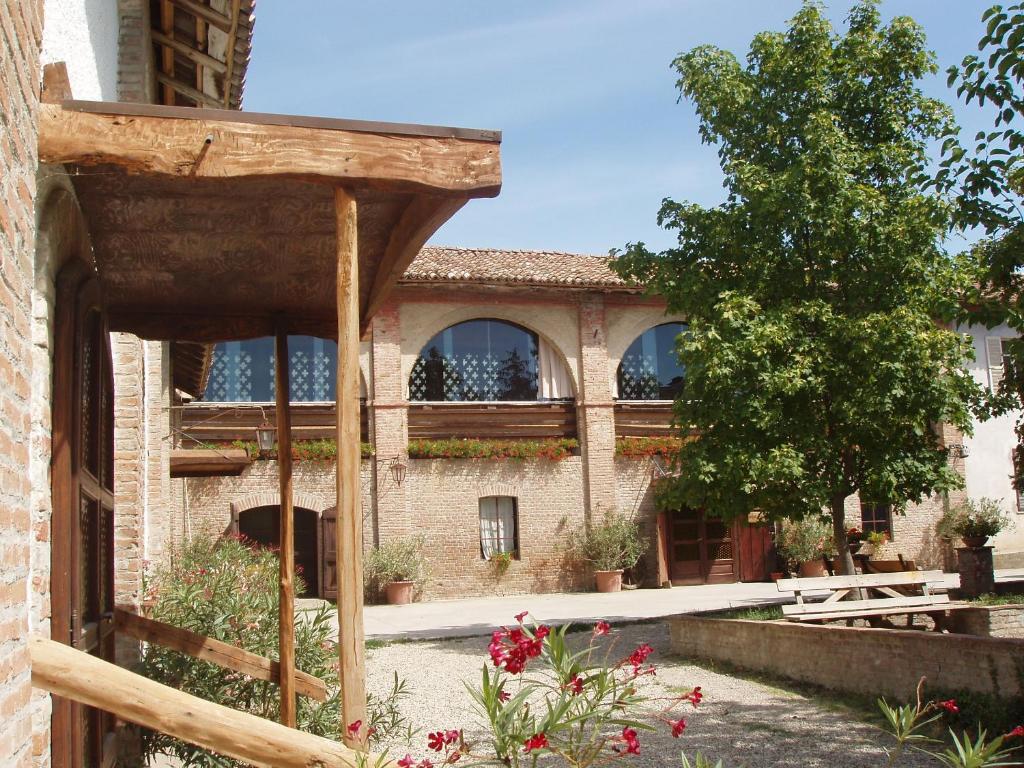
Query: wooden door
[(756, 551), (82, 488), (701, 549), (329, 555)]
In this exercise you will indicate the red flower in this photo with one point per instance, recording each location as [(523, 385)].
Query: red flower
[(541, 632), (424, 763), (537, 741), (520, 616), (678, 727), (639, 656), (353, 728), (435, 741), (504, 695), (450, 737), (406, 762), (695, 696), (949, 705), (1017, 732), (576, 685), (632, 743), (601, 628)]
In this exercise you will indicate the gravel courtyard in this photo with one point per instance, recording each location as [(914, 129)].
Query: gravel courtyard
[(744, 723)]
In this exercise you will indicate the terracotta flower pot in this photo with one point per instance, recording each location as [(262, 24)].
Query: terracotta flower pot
[(975, 541), (812, 568), (399, 592), (776, 575), (608, 581)]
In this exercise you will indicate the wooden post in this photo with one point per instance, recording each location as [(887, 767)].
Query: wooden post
[(286, 599), (349, 525)]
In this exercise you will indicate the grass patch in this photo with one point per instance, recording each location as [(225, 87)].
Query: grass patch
[(757, 613), (991, 598)]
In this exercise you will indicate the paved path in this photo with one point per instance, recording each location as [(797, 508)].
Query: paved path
[(479, 616)]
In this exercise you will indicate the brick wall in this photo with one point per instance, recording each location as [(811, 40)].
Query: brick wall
[(129, 466), (596, 414), (876, 662), (20, 45), (990, 621), (390, 414)]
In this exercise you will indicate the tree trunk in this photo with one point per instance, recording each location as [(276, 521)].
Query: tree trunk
[(844, 559)]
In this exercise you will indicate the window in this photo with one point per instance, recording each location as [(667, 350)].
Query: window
[(479, 360), (499, 526), (650, 369), (998, 359), (243, 371), (876, 517)]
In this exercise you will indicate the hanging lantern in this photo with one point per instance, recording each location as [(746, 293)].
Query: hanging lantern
[(265, 434), (397, 469)]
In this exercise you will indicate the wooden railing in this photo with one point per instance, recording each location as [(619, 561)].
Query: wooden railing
[(640, 419), (492, 420), (215, 651), (224, 422), (73, 674)]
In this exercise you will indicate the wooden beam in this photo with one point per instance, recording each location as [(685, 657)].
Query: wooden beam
[(153, 144), (208, 462), (202, 41), (166, 55), (186, 90), (214, 651), (56, 84), (230, 68), (286, 584), (419, 221), (190, 53), (78, 676), (349, 527), (205, 12)]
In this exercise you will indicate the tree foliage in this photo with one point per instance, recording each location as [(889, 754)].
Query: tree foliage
[(815, 365), (989, 181)]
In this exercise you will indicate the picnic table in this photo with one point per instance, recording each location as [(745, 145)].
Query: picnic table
[(871, 596)]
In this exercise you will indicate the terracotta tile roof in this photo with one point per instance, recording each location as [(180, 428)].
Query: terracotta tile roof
[(436, 264)]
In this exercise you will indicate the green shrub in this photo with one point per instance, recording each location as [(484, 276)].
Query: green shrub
[(613, 544), (551, 449), (806, 540), (984, 517), (228, 590), (398, 560)]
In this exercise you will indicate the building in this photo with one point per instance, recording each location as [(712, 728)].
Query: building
[(150, 208)]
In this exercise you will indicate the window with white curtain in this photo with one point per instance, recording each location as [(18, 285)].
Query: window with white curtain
[(499, 526), (650, 368)]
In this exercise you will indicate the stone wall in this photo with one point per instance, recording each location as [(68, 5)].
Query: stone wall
[(874, 662), (990, 621), (21, 33)]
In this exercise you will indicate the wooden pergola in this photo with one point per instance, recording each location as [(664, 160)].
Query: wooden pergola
[(212, 225)]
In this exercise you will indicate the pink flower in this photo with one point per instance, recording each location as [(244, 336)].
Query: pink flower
[(520, 616), (576, 685), (406, 762), (678, 727), (632, 743), (602, 628), (1017, 732), (537, 741), (353, 728), (504, 695), (949, 705), (424, 763), (450, 737), (435, 741)]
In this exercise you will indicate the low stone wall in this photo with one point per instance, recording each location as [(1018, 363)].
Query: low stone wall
[(875, 662), (989, 621)]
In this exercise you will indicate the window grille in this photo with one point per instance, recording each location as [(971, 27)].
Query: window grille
[(876, 517), (243, 371), (650, 368)]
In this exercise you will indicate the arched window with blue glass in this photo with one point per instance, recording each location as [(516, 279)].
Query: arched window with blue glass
[(487, 360), (243, 371), (650, 368)]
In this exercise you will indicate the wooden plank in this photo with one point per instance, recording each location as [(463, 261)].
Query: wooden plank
[(80, 677), (206, 13), (214, 651), (937, 612), (203, 462), (161, 146), (286, 581), (184, 89), (899, 579), (230, 51), (881, 603), (166, 55), (349, 528), (56, 83), (196, 57)]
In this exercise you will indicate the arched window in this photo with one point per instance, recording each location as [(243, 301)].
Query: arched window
[(243, 371), (650, 369), (487, 360)]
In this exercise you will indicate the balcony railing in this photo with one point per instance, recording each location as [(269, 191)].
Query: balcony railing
[(227, 422), (435, 421), (643, 419)]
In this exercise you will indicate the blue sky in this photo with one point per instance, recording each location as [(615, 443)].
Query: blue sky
[(582, 90)]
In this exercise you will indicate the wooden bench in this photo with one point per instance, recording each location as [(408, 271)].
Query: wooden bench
[(849, 597)]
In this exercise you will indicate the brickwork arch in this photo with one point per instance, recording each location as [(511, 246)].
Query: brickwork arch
[(497, 489), (560, 336), (273, 499)]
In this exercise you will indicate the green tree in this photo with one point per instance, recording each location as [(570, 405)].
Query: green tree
[(815, 365), (989, 185)]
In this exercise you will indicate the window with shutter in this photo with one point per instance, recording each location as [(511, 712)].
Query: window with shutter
[(996, 360)]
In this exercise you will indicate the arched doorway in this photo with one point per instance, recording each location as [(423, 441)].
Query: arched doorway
[(263, 526)]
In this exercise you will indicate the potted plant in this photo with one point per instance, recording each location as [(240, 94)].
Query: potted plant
[(394, 568), (806, 543), (876, 540), (609, 546), (855, 538), (974, 521)]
